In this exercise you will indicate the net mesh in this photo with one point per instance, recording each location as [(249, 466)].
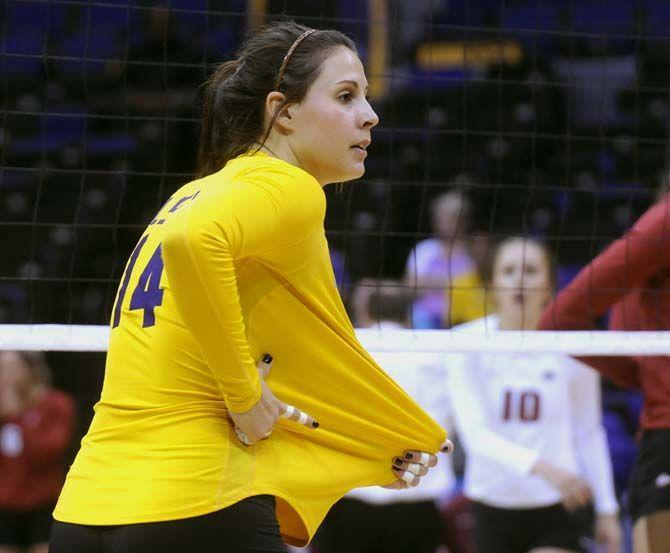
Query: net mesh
[(550, 117)]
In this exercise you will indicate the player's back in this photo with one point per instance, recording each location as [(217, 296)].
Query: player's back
[(159, 396)]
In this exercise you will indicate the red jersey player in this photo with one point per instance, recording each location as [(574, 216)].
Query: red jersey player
[(633, 276)]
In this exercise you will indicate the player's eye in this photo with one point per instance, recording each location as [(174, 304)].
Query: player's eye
[(345, 97)]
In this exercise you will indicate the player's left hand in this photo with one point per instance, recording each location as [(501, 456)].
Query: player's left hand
[(607, 533), (413, 465)]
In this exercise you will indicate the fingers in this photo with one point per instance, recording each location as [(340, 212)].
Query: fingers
[(288, 412), (294, 414), (577, 495), (415, 468), (265, 365), (411, 467), (582, 492), (411, 480), (396, 485), (421, 457), (447, 447), (242, 436)]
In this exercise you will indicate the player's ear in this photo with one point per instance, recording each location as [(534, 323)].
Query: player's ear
[(276, 109)]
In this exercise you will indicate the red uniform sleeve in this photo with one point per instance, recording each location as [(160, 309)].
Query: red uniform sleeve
[(623, 371), (47, 429), (619, 270), (625, 265)]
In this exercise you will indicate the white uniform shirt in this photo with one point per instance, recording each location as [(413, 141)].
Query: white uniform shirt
[(422, 376), (513, 409)]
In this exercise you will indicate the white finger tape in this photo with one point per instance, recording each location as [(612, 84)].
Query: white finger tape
[(289, 412), (407, 477), (414, 468), (303, 418), (425, 459)]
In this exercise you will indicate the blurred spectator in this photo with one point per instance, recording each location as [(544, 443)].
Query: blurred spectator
[(467, 296), (375, 519), (434, 263), (35, 431)]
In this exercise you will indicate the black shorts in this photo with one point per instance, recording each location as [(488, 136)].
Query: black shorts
[(354, 526), (245, 527), (25, 528), (650, 479), (520, 530)]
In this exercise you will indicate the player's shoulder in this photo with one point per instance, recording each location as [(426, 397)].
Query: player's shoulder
[(428, 246), (262, 176), (259, 167)]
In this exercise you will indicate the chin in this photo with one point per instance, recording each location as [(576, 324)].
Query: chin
[(357, 171), (353, 174)]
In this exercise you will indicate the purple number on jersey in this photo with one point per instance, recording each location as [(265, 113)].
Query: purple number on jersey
[(179, 203), (148, 294), (126, 280)]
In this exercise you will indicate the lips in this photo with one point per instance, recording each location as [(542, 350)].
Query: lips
[(362, 145)]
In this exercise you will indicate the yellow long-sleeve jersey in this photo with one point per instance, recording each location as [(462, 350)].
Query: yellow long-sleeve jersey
[(235, 265)]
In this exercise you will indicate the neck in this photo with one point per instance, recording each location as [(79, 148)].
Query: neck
[(277, 146), (451, 242), (518, 320)]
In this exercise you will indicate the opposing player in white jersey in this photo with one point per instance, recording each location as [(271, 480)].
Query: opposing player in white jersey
[(375, 519), (530, 423)]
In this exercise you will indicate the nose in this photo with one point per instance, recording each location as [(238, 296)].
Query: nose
[(368, 116)]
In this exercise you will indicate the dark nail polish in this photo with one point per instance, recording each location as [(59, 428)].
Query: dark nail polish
[(398, 462), (267, 358), (315, 424), (408, 456)]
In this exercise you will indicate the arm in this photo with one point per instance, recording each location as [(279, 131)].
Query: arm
[(232, 221), (622, 370), (473, 419), (625, 265), (47, 440), (590, 440)]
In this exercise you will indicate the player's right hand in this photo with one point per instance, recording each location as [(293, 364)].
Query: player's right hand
[(257, 423), (575, 491)]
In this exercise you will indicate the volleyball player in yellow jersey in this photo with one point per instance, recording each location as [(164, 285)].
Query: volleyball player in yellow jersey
[(235, 265)]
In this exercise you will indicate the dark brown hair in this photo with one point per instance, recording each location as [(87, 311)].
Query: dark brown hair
[(234, 103)]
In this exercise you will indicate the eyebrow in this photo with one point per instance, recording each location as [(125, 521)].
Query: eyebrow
[(354, 83)]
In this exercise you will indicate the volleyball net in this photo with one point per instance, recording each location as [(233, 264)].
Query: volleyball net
[(549, 117), (79, 338)]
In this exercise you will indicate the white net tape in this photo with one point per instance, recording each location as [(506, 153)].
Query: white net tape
[(42, 337)]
